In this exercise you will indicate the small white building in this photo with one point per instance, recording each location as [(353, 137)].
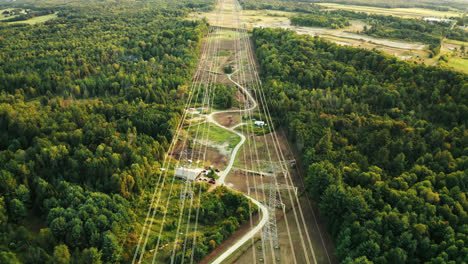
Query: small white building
[(187, 173), (259, 123), (434, 19)]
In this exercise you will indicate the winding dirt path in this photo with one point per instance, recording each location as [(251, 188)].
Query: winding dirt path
[(209, 118), (223, 174)]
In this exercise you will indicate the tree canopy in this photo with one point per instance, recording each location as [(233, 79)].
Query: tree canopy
[(89, 102), (384, 141)]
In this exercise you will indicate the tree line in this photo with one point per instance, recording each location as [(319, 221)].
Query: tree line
[(326, 20)]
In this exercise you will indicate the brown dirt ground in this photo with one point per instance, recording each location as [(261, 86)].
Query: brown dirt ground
[(264, 146), (217, 160), (246, 76), (213, 157), (239, 97), (225, 45), (239, 178), (227, 119)]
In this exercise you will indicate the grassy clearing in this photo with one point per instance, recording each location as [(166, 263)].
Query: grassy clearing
[(216, 134), (450, 56), (265, 16), (35, 20), (223, 53), (225, 35), (252, 147), (402, 12), (258, 131), (459, 64), (404, 50), (249, 16), (456, 42)]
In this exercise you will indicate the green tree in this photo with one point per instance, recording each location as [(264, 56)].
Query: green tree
[(58, 226), (8, 257), (320, 176), (61, 255), (7, 182), (3, 212), (17, 210), (22, 193), (91, 256), (111, 248)]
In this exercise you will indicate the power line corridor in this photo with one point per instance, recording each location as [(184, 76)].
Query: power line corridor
[(273, 192)]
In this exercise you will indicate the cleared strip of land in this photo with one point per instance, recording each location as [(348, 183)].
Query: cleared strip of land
[(402, 12)]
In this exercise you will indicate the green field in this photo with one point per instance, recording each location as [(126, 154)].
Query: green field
[(35, 20), (226, 34), (215, 134), (249, 128), (456, 42), (459, 64), (223, 53), (402, 12)]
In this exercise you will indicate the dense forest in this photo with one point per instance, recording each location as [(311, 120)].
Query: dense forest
[(384, 141), (88, 104)]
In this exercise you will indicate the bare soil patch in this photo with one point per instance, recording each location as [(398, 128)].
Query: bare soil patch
[(213, 157), (227, 119), (265, 151), (239, 97), (216, 159)]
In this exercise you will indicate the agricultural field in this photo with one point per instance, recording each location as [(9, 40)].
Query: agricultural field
[(401, 12), (347, 36)]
